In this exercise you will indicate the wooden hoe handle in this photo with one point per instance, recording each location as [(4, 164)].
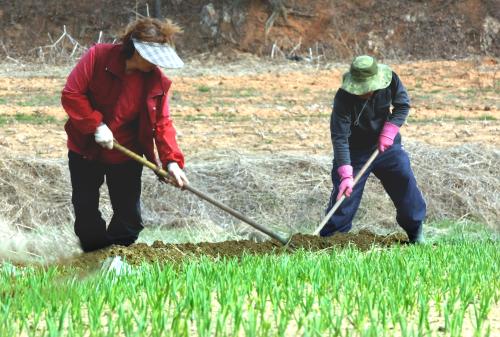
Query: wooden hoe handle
[(200, 194), (356, 179)]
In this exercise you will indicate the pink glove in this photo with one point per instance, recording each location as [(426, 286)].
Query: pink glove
[(386, 138), (346, 181)]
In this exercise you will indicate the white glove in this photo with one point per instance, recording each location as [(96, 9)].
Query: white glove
[(104, 136), (176, 172)]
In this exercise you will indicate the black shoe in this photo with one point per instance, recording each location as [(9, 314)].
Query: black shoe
[(93, 246)]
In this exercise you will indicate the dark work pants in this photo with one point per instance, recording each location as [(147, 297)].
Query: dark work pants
[(124, 185), (393, 169)]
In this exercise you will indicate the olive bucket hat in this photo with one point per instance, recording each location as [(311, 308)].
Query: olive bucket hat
[(160, 54), (366, 75)]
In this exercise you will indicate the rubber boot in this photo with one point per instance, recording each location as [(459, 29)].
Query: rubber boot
[(417, 237)]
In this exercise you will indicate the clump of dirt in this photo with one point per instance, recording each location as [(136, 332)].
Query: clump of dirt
[(164, 252), (363, 240)]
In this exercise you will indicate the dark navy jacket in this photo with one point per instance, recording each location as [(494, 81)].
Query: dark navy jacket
[(355, 123)]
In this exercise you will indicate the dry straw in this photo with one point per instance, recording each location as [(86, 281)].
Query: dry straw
[(284, 191)]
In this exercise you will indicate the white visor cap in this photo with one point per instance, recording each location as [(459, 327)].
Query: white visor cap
[(160, 54)]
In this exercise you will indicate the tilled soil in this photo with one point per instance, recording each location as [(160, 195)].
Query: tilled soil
[(166, 253), (275, 108)]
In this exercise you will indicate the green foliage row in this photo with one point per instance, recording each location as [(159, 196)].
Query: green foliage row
[(334, 293)]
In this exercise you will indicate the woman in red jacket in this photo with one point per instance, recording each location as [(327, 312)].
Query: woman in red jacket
[(117, 91)]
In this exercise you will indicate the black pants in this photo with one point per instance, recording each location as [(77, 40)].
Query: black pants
[(124, 185)]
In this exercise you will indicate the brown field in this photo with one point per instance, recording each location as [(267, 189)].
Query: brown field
[(260, 107), (274, 108)]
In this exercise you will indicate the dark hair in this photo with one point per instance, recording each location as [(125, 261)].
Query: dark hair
[(148, 30)]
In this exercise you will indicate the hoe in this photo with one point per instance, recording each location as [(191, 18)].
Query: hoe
[(233, 212), (342, 198), (284, 241)]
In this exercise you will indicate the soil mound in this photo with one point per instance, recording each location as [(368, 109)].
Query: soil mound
[(163, 252)]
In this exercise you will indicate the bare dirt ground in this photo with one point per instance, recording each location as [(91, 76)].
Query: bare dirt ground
[(262, 107)]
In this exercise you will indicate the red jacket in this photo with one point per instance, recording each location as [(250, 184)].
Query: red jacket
[(90, 94)]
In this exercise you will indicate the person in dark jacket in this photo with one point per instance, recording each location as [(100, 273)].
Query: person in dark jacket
[(118, 92), (361, 122)]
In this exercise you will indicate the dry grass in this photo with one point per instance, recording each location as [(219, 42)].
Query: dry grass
[(285, 192)]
